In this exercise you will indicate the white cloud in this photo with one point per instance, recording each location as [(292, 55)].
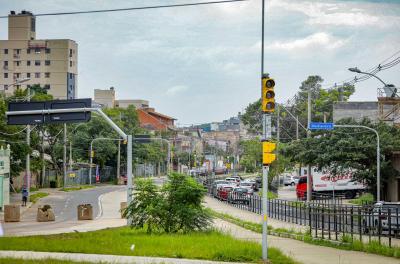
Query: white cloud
[(337, 14), (176, 89), (318, 40)]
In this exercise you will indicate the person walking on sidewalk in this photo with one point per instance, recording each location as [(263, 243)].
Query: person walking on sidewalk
[(24, 196)]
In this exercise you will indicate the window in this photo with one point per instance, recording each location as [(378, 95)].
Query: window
[(37, 74), (5, 51), (47, 62), (70, 76), (70, 64), (47, 50), (37, 50), (17, 63), (5, 75), (5, 63), (70, 52), (28, 51), (28, 63), (47, 74), (28, 75), (37, 62), (17, 75), (17, 51), (47, 86), (5, 87)]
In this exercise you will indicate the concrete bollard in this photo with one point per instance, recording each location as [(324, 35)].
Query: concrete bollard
[(85, 212), (123, 207), (45, 214), (12, 213)]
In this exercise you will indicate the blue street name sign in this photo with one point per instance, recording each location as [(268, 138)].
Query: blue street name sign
[(322, 126)]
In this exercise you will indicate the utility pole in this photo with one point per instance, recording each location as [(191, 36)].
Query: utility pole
[(65, 155), (297, 127), (43, 161), (70, 155), (28, 157), (309, 184), (119, 154), (278, 133)]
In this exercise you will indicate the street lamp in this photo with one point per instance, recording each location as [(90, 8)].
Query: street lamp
[(386, 87)]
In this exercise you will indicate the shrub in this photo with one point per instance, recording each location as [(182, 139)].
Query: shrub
[(176, 207)]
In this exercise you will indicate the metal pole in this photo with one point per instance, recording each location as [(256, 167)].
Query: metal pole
[(65, 155), (43, 161), (378, 160), (119, 159), (309, 184), (169, 157), (28, 156), (265, 168), (297, 127), (70, 155), (278, 134), (90, 162), (129, 170)]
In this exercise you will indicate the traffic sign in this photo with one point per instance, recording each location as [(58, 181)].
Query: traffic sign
[(321, 126), (40, 116)]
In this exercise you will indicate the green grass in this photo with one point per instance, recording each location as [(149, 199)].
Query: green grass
[(43, 261), (210, 245), (345, 243), (77, 188), (36, 196), (366, 198)]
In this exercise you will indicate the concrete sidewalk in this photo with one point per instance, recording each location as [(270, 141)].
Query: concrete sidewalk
[(298, 250), (98, 258)]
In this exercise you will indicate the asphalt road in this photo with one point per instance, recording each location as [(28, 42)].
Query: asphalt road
[(64, 205)]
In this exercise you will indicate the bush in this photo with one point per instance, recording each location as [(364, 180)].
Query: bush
[(176, 207), (366, 198)]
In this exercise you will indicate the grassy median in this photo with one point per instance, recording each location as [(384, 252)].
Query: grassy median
[(210, 245), (36, 196), (77, 188), (37, 261)]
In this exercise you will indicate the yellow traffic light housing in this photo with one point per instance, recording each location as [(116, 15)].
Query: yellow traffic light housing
[(268, 95), (268, 156)]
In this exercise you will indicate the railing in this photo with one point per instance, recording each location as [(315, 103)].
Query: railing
[(325, 220), (389, 92)]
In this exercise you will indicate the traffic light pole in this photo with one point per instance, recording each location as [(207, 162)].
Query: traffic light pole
[(265, 168)]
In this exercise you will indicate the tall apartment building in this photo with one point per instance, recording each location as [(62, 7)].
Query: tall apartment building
[(51, 63)]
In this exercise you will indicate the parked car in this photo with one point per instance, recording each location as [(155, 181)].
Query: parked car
[(259, 182), (248, 185), (240, 195), (216, 184), (223, 192), (233, 180), (290, 180), (380, 211)]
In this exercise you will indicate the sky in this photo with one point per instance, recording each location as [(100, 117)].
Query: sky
[(202, 64)]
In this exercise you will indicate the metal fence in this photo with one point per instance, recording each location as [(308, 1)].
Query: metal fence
[(326, 219)]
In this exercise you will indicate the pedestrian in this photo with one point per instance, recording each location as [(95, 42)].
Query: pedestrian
[(24, 196)]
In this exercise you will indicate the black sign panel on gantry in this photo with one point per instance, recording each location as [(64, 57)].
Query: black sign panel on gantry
[(69, 117), (32, 119)]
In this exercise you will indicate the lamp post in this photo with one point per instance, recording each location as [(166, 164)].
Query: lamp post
[(390, 87)]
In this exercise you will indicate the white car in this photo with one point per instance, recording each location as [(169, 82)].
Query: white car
[(249, 186), (290, 180), (233, 180)]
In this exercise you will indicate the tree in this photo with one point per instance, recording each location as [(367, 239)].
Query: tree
[(342, 150)]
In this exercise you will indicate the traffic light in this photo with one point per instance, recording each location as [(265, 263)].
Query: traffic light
[(268, 156), (268, 95)]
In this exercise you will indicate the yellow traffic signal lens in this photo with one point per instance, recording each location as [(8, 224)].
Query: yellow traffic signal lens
[(270, 94)]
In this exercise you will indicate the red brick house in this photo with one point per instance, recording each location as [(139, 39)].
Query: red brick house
[(150, 119)]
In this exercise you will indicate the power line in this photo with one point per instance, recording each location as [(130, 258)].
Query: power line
[(135, 8)]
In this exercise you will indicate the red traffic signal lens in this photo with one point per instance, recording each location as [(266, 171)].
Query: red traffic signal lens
[(270, 83)]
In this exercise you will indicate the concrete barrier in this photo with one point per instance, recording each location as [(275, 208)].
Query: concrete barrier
[(45, 214), (12, 213), (85, 212)]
